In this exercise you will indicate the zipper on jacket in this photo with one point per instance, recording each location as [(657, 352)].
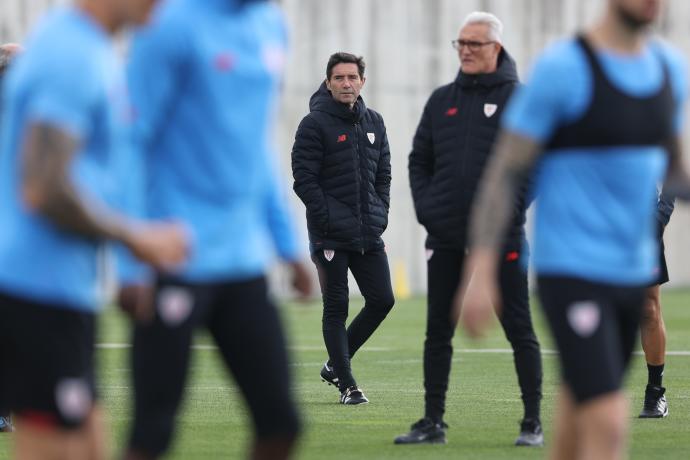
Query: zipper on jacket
[(468, 130), (359, 186)]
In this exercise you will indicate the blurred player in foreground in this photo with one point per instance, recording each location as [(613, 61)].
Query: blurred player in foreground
[(604, 102), (204, 78), (64, 132)]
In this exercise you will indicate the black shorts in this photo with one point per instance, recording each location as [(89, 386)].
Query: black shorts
[(595, 327), (46, 362), (661, 271)]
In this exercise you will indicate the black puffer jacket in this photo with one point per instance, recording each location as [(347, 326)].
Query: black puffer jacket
[(450, 151), (342, 171)]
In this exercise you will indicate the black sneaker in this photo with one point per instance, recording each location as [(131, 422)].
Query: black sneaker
[(655, 405), (352, 396), (531, 433), (6, 424), (424, 431), (328, 375)]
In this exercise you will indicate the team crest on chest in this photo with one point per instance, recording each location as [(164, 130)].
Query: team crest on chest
[(372, 137), (328, 254), (489, 110)]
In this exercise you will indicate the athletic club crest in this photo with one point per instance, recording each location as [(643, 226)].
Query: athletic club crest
[(329, 254), (489, 110), (584, 318), (372, 137), (73, 398), (174, 305)]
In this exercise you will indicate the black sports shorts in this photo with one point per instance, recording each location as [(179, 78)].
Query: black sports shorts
[(46, 362), (661, 271), (595, 327)]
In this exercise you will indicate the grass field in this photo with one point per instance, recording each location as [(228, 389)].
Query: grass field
[(483, 401)]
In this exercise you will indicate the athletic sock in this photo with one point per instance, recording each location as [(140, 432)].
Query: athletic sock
[(655, 373)]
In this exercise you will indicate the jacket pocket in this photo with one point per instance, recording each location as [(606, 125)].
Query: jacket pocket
[(424, 207), (342, 222), (317, 222)]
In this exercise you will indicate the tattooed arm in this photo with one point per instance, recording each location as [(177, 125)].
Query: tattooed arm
[(507, 171), (47, 187), (509, 167)]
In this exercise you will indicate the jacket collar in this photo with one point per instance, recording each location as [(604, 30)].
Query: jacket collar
[(322, 101), (506, 72)]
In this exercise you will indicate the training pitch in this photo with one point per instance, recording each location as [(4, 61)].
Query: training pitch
[(483, 400)]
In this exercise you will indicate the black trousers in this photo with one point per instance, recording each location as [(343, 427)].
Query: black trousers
[(372, 275), (444, 269), (245, 326)]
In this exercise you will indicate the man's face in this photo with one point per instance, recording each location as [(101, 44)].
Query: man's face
[(479, 54), (345, 83), (637, 13), (133, 11)]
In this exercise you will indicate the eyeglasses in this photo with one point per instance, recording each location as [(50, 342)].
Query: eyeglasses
[(471, 45)]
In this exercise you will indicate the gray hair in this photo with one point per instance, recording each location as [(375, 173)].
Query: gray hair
[(480, 17)]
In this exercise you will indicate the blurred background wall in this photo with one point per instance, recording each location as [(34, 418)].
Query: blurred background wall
[(406, 44)]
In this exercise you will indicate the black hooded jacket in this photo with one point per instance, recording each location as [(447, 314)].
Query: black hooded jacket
[(450, 151), (342, 171)]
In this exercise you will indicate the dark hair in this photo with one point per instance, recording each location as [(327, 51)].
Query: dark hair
[(339, 58)]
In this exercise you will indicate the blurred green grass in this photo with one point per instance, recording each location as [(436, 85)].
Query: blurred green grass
[(483, 407)]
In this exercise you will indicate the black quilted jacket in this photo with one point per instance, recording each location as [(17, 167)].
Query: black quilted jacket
[(341, 166), (450, 151)]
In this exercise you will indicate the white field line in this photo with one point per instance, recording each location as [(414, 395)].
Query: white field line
[(116, 346)]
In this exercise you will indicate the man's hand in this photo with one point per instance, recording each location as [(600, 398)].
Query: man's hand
[(478, 295), (162, 245), (136, 300), (301, 280)]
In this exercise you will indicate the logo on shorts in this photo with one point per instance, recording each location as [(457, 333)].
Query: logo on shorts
[(372, 137), (489, 110), (584, 317), (342, 138), (174, 305), (73, 399), (429, 254), (329, 254)]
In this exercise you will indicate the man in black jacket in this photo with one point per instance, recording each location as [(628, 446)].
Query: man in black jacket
[(450, 151), (341, 166)]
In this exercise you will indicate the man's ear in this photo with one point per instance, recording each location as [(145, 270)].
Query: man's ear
[(328, 84), (364, 79)]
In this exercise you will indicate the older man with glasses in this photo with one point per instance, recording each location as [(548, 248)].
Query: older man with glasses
[(450, 151)]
